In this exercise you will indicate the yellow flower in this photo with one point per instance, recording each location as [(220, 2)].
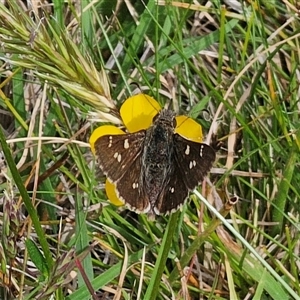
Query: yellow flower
[(137, 113)]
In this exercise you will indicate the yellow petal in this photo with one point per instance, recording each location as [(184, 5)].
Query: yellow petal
[(101, 131), (110, 189), (189, 128), (138, 111)]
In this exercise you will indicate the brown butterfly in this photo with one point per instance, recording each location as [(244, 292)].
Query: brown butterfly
[(154, 169)]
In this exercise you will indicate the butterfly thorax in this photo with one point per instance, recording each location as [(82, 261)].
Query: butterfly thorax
[(157, 156)]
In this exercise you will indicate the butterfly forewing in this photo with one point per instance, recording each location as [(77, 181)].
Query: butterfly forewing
[(116, 153), (193, 159)]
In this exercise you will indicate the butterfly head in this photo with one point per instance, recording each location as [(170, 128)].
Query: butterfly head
[(165, 117)]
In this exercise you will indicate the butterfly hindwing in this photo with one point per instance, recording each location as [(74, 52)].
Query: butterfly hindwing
[(116, 153), (193, 159), (174, 194)]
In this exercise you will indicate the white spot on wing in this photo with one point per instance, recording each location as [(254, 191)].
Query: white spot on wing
[(135, 185), (110, 141), (201, 150), (118, 156), (126, 144), (192, 164), (187, 150)]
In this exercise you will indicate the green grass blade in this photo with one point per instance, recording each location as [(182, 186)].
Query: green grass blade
[(26, 199)]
